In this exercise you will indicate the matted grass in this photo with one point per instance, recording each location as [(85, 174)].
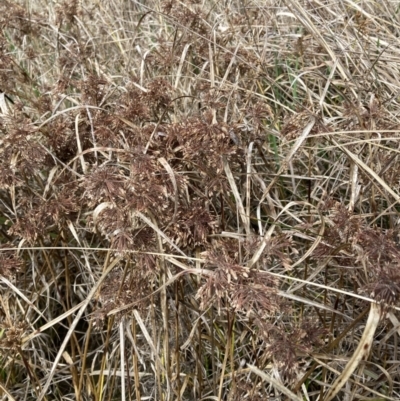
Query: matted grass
[(199, 200)]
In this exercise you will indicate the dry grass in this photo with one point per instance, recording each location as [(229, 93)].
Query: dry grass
[(199, 200)]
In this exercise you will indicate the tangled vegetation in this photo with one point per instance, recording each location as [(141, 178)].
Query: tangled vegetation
[(199, 200)]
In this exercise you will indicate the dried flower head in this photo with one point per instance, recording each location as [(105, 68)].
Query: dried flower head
[(287, 344), (10, 262), (385, 287), (103, 184)]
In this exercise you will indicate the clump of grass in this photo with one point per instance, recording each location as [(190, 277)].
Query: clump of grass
[(198, 200)]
